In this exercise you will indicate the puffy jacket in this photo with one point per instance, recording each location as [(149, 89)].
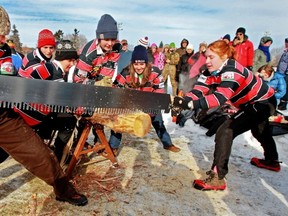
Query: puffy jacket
[(245, 53)]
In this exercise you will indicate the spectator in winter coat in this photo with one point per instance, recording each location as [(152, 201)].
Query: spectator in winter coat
[(262, 55), (172, 60), (182, 49), (125, 56), (227, 38), (283, 69), (183, 74), (25, 146), (274, 79), (142, 76), (159, 58), (244, 48), (247, 92)]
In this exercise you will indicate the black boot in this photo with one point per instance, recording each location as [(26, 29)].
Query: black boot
[(65, 192), (282, 105)]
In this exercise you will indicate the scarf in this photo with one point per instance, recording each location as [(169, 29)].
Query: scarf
[(265, 50)]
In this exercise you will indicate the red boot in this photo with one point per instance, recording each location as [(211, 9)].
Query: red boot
[(266, 164), (212, 182)]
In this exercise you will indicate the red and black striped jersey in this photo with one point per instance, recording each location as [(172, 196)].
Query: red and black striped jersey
[(35, 67), (234, 83), (93, 61), (155, 81)]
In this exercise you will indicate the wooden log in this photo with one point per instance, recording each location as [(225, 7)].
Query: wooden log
[(137, 123)]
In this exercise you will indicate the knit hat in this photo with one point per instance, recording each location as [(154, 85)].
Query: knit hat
[(172, 45), (65, 50), (166, 46), (46, 37), (107, 28), (286, 40), (265, 39), (241, 30), (190, 46), (153, 45), (161, 45), (4, 22), (227, 36), (143, 41), (139, 54)]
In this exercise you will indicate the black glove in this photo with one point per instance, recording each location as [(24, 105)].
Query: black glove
[(182, 103)]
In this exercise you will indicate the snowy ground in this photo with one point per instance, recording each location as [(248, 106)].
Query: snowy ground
[(153, 181)]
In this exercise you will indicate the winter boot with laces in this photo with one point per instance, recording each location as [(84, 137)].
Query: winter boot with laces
[(212, 182), (266, 164), (66, 192)]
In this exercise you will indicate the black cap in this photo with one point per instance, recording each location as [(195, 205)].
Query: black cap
[(286, 40), (241, 30)]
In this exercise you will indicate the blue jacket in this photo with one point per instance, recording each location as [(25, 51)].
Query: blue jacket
[(278, 83)]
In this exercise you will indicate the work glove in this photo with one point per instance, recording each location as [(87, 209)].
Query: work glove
[(182, 103), (105, 81)]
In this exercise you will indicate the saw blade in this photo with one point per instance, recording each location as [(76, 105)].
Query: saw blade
[(61, 96)]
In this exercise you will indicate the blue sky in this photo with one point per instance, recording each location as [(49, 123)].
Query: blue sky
[(160, 20)]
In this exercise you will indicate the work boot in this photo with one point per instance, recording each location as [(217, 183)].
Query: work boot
[(282, 105), (212, 182), (172, 148), (65, 192), (266, 164)]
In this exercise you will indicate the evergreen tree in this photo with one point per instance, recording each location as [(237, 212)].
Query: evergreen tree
[(16, 39)]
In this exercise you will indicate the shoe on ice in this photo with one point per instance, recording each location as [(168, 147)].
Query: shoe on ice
[(212, 182), (172, 148), (266, 164)]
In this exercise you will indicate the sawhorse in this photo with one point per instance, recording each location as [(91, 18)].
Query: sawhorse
[(102, 147)]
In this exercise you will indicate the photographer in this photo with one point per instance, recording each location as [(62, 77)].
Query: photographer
[(244, 48)]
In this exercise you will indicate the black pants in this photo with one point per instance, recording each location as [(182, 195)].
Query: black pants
[(64, 124), (252, 117)]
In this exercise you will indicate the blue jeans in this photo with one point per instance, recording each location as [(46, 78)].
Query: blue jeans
[(158, 124)]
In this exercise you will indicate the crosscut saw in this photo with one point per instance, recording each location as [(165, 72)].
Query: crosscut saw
[(68, 97)]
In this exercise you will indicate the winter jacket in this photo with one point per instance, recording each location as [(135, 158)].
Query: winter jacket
[(260, 59), (197, 62), (159, 60), (233, 82), (6, 65), (155, 81), (93, 63), (245, 52), (35, 67), (183, 65), (283, 63), (278, 83)]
